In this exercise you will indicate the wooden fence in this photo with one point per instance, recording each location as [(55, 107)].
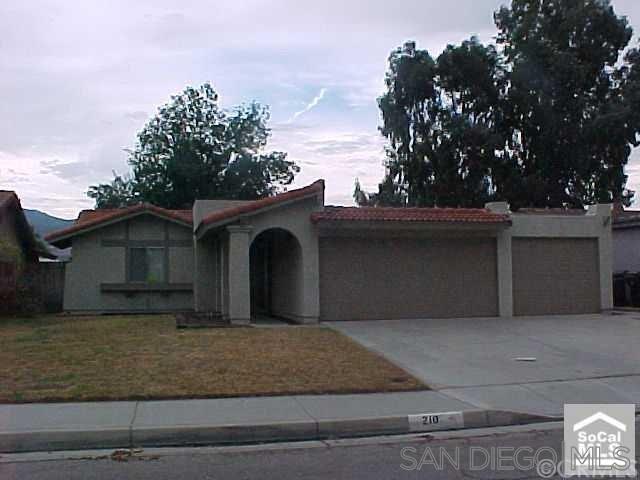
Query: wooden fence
[(8, 287), (49, 281), (37, 288)]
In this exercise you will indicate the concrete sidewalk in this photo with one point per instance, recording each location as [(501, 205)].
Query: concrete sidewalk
[(47, 427)]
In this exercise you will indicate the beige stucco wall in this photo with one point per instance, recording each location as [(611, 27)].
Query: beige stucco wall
[(438, 270), (303, 304), (222, 265), (202, 208), (94, 264)]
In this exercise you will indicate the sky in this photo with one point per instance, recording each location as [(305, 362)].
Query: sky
[(79, 79)]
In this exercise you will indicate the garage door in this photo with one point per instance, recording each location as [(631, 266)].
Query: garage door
[(555, 276), (371, 279)]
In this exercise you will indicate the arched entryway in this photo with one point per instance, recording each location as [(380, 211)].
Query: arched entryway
[(276, 275)]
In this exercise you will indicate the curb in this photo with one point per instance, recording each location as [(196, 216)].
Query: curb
[(198, 435)]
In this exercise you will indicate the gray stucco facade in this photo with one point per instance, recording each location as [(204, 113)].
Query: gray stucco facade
[(626, 250), (292, 257), (96, 278), (626, 241)]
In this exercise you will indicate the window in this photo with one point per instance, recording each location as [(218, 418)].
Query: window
[(146, 265)]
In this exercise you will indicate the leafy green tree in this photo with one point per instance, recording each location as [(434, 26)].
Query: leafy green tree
[(409, 110), (118, 193), (193, 149), (546, 118), (469, 79), (440, 120), (566, 112)]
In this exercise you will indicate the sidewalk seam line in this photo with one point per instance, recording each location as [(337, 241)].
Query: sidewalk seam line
[(133, 420), (536, 382), (315, 420)]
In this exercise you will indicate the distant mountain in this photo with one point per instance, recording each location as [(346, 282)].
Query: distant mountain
[(44, 223)]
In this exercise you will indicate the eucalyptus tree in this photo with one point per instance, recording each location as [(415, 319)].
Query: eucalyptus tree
[(547, 117)]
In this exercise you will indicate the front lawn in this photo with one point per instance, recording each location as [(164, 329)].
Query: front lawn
[(62, 358)]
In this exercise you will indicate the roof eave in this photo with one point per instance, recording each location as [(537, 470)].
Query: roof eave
[(413, 224), (204, 227), (620, 225), (61, 238)]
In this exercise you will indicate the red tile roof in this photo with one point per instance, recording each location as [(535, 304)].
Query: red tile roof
[(256, 205), (384, 214), (94, 218), (94, 215)]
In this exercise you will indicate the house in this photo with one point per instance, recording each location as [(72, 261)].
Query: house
[(16, 233), (20, 249), (626, 256), (293, 257), (626, 240)]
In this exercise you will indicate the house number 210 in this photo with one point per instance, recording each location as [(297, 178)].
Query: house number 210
[(430, 419), (427, 422)]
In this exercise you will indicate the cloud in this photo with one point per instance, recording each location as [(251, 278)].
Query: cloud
[(66, 170), (10, 176), (312, 104), (79, 79), (337, 154), (345, 144), (43, 191)]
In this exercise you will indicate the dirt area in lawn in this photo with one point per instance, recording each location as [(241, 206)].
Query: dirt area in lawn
[(65, 358)]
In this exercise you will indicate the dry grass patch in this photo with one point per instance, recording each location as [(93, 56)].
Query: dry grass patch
[(53, 358)]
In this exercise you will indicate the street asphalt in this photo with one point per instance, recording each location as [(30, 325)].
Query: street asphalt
[(383, 458)]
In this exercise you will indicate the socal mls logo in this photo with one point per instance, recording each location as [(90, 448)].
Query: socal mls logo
[(599, 440)]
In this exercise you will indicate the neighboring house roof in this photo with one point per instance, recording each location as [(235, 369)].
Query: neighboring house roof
[(91, 219), (626, 218), (6, 196), (31, 245), (553, 211), (229, 214), (384, 214)]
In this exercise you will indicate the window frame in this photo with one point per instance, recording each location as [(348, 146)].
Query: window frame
[(147, 281)]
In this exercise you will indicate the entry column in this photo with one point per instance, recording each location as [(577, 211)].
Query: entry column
[(239, 275)]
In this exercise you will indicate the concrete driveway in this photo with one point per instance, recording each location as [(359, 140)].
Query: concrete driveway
[(578, 359)]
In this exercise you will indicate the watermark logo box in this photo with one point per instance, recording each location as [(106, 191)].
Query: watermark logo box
[(599, 440)]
